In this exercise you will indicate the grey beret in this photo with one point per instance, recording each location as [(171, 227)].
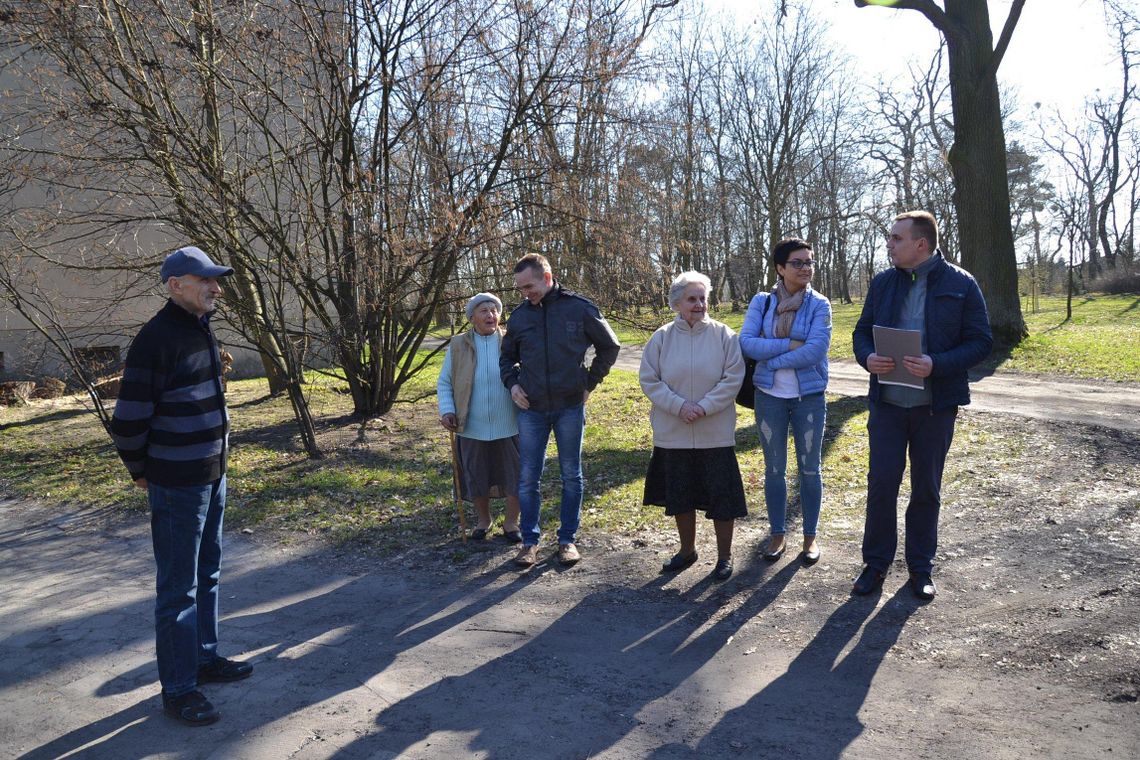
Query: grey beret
[(479, 298)]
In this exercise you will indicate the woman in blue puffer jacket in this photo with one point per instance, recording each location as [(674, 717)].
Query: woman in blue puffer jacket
[(788, 333)]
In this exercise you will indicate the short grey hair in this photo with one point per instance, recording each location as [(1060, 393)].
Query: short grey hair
[(684, 280)]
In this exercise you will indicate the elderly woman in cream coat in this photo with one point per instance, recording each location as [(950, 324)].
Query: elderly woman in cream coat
[(691, 369), (475, 406)]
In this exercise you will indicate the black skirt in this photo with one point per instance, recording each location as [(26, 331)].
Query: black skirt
[(685, 480)]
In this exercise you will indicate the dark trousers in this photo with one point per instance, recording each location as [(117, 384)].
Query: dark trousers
[(186, 532), (893, 432)]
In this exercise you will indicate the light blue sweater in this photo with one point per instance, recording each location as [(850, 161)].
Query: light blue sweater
[(491, 414)]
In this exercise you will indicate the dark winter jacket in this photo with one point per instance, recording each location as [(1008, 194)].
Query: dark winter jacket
[(170, 423), (544, 349), (957, 327)]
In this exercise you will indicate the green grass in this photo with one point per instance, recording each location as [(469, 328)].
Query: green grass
[(1100, 342), (383, 486), (387, 484)]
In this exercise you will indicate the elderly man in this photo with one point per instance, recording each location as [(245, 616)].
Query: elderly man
[(542, 363), (922, 292), (171, 427)]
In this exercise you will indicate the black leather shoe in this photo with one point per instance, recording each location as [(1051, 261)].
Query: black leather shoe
[(513, 536), (679, 562), (193, 709), (773, 556), (723, 569), (923, 586), (811, 557), (221, 670), (479, 534), (869, 580)]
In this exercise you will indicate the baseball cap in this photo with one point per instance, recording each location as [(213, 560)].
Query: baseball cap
[(191, 260)]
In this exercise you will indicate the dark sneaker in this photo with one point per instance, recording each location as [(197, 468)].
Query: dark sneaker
[(221, 670), (869, 580), (923, 586), (193, 709)]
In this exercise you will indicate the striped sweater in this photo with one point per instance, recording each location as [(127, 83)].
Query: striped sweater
[(170, 423)]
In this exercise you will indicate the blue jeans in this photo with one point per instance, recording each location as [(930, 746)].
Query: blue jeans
[(534, 433), (893, 432), (186, 531), (806, 416)]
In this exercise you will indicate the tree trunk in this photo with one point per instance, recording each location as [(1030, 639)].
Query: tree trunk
[(978, 161), (977, 158)]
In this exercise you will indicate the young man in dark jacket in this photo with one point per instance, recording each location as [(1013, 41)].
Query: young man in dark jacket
[(542, 363), (943, 302), (171, 428)]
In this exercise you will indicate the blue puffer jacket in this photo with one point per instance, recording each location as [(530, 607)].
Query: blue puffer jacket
[(957, 327), (812, 325)]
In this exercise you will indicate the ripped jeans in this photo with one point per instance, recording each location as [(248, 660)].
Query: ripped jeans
[(806, 416)]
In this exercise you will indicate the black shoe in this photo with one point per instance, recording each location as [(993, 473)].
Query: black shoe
[(479, 534), (193, 709), (773, 556), (869, 580), (723, 569), (811, 557), (513, 536), (221, 670), (923, 586), (679, 562)]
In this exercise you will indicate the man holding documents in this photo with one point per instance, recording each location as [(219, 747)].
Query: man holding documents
[(918, 381)]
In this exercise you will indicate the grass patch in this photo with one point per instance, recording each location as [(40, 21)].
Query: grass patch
[(1100, 342), (386, 485)]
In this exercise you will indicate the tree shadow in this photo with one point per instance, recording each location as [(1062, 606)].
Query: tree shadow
[(44, 419), (312, 638), (999, 355), (819, 696), (582, 680)]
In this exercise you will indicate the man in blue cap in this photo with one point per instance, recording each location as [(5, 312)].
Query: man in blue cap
[(171, 429)]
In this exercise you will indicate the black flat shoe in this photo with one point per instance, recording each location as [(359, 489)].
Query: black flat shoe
[(869, 580), (923, 586), (193, 709), (222, 670), (479, 534), (723, 569), (513, 536), (679, 562), (773, 556), (811, 557)]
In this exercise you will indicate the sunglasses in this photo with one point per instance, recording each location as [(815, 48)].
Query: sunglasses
[(801, 263)]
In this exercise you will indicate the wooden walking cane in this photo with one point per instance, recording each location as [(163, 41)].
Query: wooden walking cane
[(455, 486)]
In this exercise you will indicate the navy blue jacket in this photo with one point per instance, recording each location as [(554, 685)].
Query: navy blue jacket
[(544, 349), (957, 327), (170, 423)]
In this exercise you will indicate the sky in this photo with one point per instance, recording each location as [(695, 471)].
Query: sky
[(1060, 51)]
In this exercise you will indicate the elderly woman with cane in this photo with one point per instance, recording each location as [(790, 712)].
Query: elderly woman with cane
[(691, 370), (474, 405), (788, 332)]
